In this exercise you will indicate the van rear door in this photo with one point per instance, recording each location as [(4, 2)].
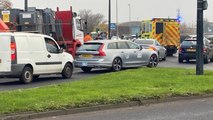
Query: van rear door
[(5, 54)]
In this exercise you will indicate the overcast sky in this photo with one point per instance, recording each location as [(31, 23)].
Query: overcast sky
[(140, 9)]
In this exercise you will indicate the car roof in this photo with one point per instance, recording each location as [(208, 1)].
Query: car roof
[(105, 41), (147, 39)]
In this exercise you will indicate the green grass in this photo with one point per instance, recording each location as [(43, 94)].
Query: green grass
[(111, 88)]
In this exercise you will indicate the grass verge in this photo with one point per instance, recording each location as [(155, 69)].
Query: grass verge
[(111, 88)]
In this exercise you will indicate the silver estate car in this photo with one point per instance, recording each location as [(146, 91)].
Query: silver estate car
[(114, 54), (153, 44)]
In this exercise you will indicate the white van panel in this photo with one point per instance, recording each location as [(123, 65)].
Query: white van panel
[(5, 54)]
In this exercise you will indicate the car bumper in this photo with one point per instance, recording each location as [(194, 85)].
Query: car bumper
[(16, 70), (92, 64), (188, 56)]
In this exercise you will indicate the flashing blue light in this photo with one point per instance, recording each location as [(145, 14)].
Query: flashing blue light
[(179, 18)]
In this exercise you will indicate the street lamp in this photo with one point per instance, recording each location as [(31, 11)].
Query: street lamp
[(129, 12), (117, 19), (109, 21)]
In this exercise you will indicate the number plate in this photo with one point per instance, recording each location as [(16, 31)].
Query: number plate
[(191, 50), (86, 56), (84, 63)]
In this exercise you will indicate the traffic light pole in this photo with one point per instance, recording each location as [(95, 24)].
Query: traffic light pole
[(201, 6), (199, 49)]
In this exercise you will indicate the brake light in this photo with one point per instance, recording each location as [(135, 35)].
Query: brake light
[(101, 52), (13, 50)]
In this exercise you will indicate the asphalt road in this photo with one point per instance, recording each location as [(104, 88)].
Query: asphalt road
[(196, 109), (12, 84)]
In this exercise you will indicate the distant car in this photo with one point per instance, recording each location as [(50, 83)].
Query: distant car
[(114, 54), (187, 50), (153, 44)]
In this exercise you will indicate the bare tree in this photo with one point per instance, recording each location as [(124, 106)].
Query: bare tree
[(93, 20), (5, 4)]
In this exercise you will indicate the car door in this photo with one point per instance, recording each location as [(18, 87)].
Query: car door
[(125, 53), (135, 53), (53, 56)]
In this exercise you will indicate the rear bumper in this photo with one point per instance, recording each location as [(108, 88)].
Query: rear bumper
[(93, 64), (188, 56), (16, 70)]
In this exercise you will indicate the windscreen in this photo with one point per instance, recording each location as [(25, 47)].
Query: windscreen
[(147, 42), (189, 43), (90, 47)]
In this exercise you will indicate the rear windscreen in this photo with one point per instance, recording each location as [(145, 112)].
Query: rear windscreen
[(147, 42), (90, 47), (189, 42)]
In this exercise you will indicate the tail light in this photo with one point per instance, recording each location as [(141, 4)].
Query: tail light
[(180, 50), (101, 52), (13, 50)]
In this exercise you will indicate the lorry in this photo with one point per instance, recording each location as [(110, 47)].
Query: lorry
[(165, 30), (64, 26)]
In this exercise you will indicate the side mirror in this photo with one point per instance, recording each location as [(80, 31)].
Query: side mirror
[(140, 46)]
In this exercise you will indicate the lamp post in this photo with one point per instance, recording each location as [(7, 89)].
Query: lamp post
[(129, 12), (117, 34), (109, 21), (26, 5)]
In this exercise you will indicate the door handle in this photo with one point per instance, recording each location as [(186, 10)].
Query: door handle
[(48, 55)]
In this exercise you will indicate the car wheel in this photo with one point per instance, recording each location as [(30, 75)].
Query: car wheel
[(164, 58), (26, 75), (67, 71), (211, 60), (206, 59), (180, 60), (153, 61), (86, 69), (116, 64)]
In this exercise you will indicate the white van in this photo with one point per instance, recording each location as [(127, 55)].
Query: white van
[(28, 55)]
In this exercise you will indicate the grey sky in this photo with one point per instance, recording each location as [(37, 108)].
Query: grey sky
[(140, 9)]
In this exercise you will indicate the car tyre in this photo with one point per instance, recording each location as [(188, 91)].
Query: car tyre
[(26, 75), (86, 69), (180, 60), (153, 61), (67, 71), (206, 59), (117, 64)]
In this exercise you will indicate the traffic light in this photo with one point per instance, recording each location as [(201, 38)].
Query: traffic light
[(202, 4)]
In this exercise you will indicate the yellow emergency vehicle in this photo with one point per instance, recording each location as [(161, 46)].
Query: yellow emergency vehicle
[(165, 30)]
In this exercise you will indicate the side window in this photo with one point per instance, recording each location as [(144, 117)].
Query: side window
[(112, 46), (132, 45), (157, 43), (122, 45), (51, 46)]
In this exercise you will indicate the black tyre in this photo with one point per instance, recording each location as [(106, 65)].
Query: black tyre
[(67, 71), (86, 69), (26, 75), (206, 59), (153, 61), (117, 65), (180, 60)]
